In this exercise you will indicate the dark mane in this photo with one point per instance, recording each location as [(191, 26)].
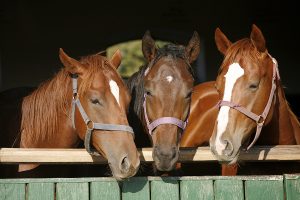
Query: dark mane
[(42, 108), (136, 82), (173, 50)]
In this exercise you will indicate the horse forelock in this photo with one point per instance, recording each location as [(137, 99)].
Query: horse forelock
[(240, 49)]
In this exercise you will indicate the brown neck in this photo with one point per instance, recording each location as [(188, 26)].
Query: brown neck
[(283, 126)]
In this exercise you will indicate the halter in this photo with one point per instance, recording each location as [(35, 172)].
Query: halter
[(259, 119), (162, 120), (90, 125)]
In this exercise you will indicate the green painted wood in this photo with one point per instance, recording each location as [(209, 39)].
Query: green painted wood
[(105, 190), (264, 189), (165, 189), (37, 191), (136, 189), (196, 189), (292, 187), (12, 191), (229, 189), (72, 191)]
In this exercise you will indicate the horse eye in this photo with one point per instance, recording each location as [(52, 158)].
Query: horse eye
[(188, 95), (95, 101), (148, 93), (253, 86)]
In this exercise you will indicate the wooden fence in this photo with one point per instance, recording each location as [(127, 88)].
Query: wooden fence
[(73, 156), (154, 188)]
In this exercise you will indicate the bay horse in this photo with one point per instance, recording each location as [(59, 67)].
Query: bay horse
[(161, 92), (85, 101), (246, 105)]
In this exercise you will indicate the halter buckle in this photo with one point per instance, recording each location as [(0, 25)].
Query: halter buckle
[(89, 124), (260, 121)]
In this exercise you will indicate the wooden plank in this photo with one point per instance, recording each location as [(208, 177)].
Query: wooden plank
[(196, 189), (72, 191), (37, 191), (136, 189), (72, 156), (12, 191), (229, 189), (264, 190), (165, 189), (105, 190), (292, 186)]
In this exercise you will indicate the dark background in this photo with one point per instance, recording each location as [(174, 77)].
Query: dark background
[(32, 31)]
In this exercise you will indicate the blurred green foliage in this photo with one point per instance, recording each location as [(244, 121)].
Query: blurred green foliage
[(132, 56)]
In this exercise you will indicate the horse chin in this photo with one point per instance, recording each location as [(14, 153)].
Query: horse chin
[(228, 160), (119, 175), (165, 166)]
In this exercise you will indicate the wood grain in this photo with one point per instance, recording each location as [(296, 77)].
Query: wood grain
[(73, 156)]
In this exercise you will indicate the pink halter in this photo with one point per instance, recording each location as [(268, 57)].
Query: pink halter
[(259, 119), (163, 120)]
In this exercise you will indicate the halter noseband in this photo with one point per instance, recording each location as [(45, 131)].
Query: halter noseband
[(162, 120), (90, 125), (259, 119)]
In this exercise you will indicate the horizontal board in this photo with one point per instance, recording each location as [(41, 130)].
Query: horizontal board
[(73, 156)]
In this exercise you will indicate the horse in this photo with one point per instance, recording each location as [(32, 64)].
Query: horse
[(246, 105), (86, 100), (161, 94)]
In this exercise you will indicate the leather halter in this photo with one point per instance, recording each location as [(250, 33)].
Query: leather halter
[(90, 125), (162, 120), (259, 119)]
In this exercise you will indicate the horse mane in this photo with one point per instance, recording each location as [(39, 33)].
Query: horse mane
[(290, 111), (42, 109), (136, 82)]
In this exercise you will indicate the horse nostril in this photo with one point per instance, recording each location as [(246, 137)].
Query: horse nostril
[(228, 149), (125, 164)]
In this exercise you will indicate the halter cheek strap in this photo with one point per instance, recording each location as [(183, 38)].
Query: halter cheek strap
[(259, 119), (163, 120), (89, 123)]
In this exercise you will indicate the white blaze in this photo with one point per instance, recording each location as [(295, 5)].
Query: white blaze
[(169, 78), (235, 71), (114, 88)]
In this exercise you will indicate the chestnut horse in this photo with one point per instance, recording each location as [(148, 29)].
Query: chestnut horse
[(246, 105), (161, 93), (86, 100)]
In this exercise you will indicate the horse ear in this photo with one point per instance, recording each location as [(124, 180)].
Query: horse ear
[(148, 46), (192, 50), (116, 59), (222, 41), (73, 66), (258, 39)]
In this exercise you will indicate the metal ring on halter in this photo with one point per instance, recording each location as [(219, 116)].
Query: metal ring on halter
[(87, 122), (260, 121)]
